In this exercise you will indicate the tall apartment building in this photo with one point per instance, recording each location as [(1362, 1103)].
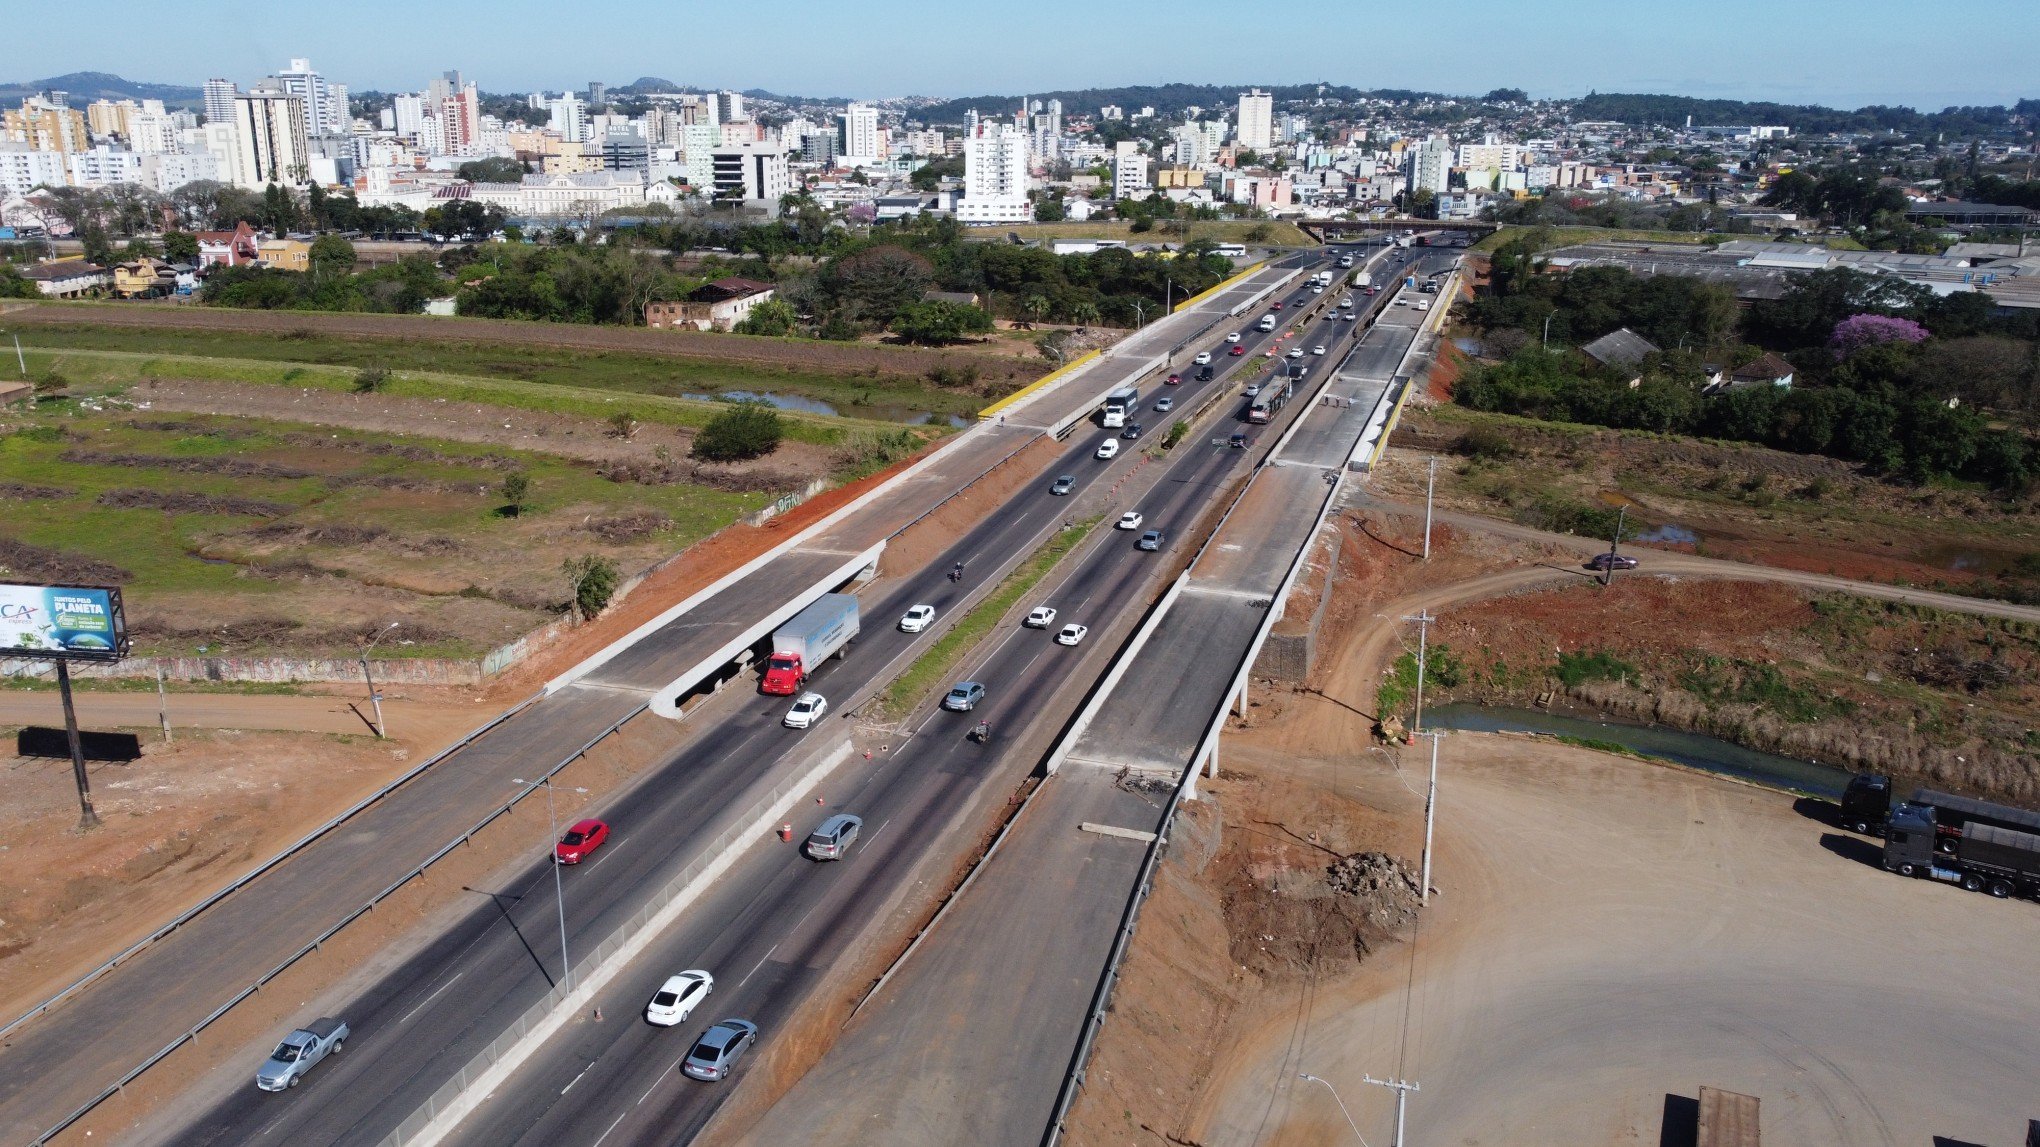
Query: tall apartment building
[(754, 172), (729, 106), (1431, 165), (598, 94), (1492, 154), (569, 118), (46, 125), (1129, 172), (270, 144), (857, 136), (995, 176), (1257, 120), (24, 168), (304, 82), (460, 120), (219, 100)]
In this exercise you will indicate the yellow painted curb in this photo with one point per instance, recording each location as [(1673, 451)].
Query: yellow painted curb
[(1046, 379), (1203, 295)]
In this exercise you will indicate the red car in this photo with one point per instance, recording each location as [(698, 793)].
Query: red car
[(1175, 380), (1237, 350), (583, 837), (1276, 305)]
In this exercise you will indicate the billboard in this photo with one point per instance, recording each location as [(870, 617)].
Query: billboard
[(72, 623)]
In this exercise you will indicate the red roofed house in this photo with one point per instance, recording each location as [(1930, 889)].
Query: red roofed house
[(718, 306), (228, 248)]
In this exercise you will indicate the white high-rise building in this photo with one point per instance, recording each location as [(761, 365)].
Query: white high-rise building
[(219, 100), (995, 176), (309, 86), (152, 131), (857, 142), (24, 168), (1431, 165), (409, 118), (270, 143), (729, 106), (1129, 172), (1257, 120), (755, 172), (569, 118)]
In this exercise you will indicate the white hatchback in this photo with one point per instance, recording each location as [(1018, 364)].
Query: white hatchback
[(1108, 448), (1130, 520), (1071, 634), (807, 709), (1042, 617), (1203, 358)]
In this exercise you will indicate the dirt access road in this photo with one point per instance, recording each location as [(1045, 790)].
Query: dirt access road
[(1610, 934)]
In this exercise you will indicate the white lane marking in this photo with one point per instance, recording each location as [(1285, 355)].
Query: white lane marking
[(655, 1084), (612, 1127), (577, 1078), (867, 844), (615, 847), (761, 961), (429, 999)]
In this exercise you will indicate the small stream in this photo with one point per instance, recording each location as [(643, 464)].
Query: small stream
[(1695, 750)]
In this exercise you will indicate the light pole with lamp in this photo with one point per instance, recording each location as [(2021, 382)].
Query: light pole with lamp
[(1342, 1106), (559, 890), (375, 698), (19, 359)]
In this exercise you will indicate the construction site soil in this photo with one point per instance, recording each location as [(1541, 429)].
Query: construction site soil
[(1244, 935)]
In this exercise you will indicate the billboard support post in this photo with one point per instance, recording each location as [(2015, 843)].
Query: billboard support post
[(87, 819)]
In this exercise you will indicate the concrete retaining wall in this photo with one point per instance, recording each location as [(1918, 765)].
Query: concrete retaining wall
[(1291, 648)]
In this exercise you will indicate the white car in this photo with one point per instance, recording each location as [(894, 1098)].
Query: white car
[(677, 997), (1296, 352), (1042, 617), (1318, 349), (1071, 634), (917, 619), (1253, 390), (1130, 520), (1203, 358), (1233, 337), (807, 709), (1108, 448)]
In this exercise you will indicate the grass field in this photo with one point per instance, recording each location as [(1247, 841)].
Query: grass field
[(592, 371), (1567, 236), (1221, 231), (242, 537)]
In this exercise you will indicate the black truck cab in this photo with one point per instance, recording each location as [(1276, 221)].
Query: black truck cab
[(1866, 802)]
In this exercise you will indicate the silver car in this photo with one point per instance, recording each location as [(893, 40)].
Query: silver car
[(715, 1054), (832, 839)]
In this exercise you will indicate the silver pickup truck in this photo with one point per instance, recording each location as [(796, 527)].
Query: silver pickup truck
[(299, 1051)]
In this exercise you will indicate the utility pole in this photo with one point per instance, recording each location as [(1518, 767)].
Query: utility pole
[(19, 359), (1402, 1089), (375, 698), (1430, 487), (1547, 331), (1614, 543), (1423, 621), (162, 703), (1430, 817)]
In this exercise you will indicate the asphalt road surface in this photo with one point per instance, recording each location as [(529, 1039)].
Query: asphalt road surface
[(500, 954)]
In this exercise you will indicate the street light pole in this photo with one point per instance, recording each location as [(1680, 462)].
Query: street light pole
[(1430, 487), (375, 698), (559, 890), (1402, 1089), (1423, 621), (1430, 817), (1342, 1106), (19, 359)]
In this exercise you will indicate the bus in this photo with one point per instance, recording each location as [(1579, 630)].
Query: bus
[(1232, 250), (1119, 404), (1270, 401)]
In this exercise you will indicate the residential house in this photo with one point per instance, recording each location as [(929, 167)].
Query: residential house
[(67, 278), (285, 254), (1623, 350), (143, 279), (718, 306), (234, 248), (1770, 370)]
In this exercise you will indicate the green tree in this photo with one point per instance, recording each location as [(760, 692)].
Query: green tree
[(936, 322), (371, 378), (13, 286), (771, 317), (332, 255), (98, 245), (495, 169), (180, 247), (516, 491), (593, 579), (1049, 209), (280, 212), (745, 430)]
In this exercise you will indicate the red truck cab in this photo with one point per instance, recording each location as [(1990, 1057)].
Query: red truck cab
[(784, 675)]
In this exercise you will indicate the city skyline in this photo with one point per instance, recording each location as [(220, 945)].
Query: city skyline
[(1822, 52)]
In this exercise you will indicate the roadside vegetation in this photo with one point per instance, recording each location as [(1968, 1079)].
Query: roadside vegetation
[(934, 667)]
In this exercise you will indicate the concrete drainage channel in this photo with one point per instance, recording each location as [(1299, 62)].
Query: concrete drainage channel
[(494, 1064)]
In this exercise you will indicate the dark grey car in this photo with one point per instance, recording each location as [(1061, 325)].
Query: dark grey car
[(715, 1054), (1063, 485)]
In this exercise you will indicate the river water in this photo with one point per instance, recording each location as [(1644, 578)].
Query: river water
[(1695, 750)]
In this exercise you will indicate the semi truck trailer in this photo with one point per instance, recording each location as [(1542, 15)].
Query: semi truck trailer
[(1866, 803), (822, 629), (1985, 857)]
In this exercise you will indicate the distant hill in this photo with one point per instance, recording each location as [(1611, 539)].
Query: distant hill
[(1168, 100), (1672, 111), (84, 87)]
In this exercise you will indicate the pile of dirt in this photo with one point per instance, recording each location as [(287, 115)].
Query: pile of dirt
[(23, 491), (634, 526), (191, 502), (220, 467), (29, 563)]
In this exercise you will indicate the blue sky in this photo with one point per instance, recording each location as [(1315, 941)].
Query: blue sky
[(1838, 52)]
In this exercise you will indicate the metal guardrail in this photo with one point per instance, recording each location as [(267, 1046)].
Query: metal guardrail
[(191, 1033), (192, 913)]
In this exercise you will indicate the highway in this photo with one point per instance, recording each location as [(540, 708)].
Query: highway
[(774, 924), (970, 1043)]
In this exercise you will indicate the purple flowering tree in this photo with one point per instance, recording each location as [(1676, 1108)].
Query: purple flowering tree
[(1859, 331)]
